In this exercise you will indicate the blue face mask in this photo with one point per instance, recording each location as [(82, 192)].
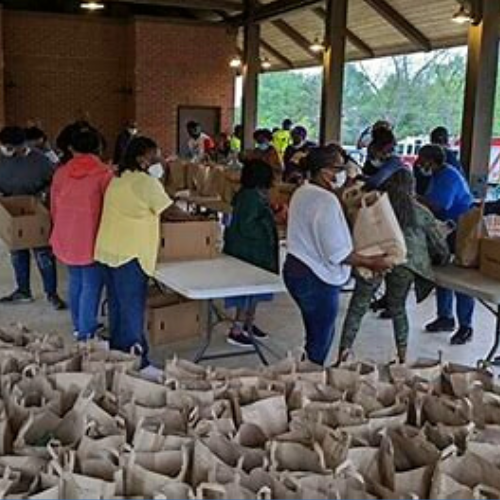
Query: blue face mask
[(264, 146)]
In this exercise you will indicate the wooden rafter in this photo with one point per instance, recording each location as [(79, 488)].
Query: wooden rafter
[(296, 37), (274, 10), (393, 17), (224, 5), (351, 36), (276, 53)]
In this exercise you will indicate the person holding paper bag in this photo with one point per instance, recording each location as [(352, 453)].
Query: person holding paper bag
[(425, 243), (320, 249)]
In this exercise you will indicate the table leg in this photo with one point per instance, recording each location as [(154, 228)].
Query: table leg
[(496, 343), (207, 339), (258, 350)]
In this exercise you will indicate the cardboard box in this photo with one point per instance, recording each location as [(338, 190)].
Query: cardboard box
[(24, 223), (490, 257), (189, 240), (171, 318)]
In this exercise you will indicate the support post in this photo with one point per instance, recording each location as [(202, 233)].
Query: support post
[(479, 102), (333, 71), (251, 68)]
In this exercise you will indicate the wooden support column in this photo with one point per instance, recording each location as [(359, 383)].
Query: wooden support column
[(333, 70), (479, 103), (251, 68)]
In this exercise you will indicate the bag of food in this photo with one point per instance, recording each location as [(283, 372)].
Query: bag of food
[(470, 229), (377, 231)]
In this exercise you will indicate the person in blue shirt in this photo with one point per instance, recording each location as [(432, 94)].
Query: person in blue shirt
[(448, 196), (441, 137)]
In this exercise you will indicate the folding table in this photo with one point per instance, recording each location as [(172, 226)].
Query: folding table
[(220, 278), (471, 282)]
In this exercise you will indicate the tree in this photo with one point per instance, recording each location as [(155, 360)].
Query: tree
[(414, 92)]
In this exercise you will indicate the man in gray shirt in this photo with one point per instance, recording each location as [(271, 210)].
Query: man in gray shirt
[(24, 171)]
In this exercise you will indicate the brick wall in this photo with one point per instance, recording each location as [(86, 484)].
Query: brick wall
[(179, 65), (58, 68)]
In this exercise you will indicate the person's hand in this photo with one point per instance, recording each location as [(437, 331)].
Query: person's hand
[(377, 263)]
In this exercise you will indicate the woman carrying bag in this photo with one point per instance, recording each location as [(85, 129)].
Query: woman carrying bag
[(320, 250)]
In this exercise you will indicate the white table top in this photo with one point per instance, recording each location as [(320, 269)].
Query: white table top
[(468, 281), (219, 278)]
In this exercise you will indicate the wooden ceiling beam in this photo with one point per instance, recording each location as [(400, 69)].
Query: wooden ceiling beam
[(399, 22), (224, 5), (274, 10), (276, 54), (351, 36), (296, 37)]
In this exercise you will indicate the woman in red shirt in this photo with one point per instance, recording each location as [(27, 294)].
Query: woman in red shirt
[(76, 202)]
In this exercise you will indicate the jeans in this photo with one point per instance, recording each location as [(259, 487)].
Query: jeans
[(21, 262), (465, 306), (318, 302), (85, 290), (127, 288)]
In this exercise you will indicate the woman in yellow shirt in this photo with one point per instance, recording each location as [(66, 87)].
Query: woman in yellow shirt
[(128, 240)]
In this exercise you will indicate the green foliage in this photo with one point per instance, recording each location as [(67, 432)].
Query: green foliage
[(414, 93)]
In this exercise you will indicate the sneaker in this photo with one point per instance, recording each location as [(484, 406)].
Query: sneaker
[(17, 297), (239, 340), (385, 314), (440, 325), (463, 335), (152, 374), (258, 333), (378, 304), (57, 303)]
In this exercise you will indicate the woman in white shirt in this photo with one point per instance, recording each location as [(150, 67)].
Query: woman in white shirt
[(320, 249)]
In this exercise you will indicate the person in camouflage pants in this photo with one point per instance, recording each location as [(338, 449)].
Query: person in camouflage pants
[(425, 243), (398, 283)]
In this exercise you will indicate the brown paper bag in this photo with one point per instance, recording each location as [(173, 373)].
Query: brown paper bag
[(296, 457), (377, 231), (269, 414), (470, 229)]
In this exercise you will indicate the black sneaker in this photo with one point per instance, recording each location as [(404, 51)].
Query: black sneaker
[(17, 297), (463, 335), (57, 303), (385, 314), (258, 333), (378, 304), (239, 340), (440, 325)]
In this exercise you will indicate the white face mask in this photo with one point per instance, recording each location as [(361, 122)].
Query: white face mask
[(376, 162), (426, 172), (264, 146), (6, 151), (340, 179), (132, 131), (156, 170)]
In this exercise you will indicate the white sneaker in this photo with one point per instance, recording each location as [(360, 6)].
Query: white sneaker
[(152, 374)]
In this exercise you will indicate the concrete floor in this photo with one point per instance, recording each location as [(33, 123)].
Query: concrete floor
[(282, 319)]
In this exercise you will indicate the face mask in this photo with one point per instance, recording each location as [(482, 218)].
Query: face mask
[(299, 144), (132, 131), (426, 172), (6, 151), (156, 170), (376, 162), (263, 146), (340, 179)]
